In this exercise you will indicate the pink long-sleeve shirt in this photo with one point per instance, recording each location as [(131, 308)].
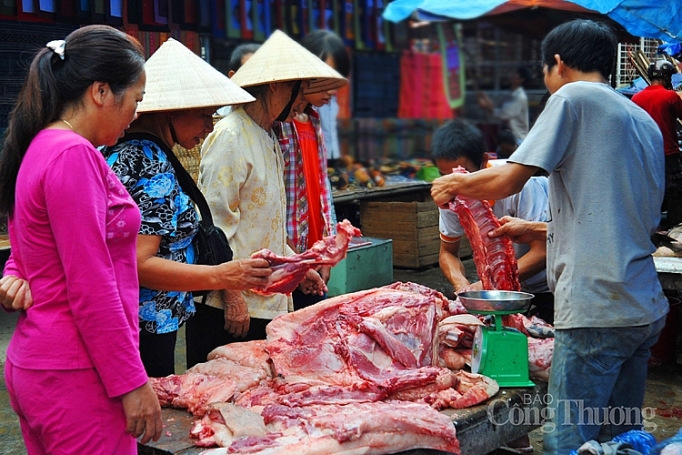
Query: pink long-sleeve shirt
[(73, 235)]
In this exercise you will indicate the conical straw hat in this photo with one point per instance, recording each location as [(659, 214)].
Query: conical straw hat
[(282, 59), (177, 79)]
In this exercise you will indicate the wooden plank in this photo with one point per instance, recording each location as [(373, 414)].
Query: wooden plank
[(421, 249), (390, 207), (410, 261), (384, 216), (387, 230), (399, 231), (429, 233)]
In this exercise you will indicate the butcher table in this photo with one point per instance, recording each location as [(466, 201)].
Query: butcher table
[(669, 272), (481, 429)]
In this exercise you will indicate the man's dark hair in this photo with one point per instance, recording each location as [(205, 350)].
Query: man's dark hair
[(525, 74), (583, 45), (238, 54), (457, 139)]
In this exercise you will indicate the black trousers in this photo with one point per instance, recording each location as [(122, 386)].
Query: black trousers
[(542, 306), (157, 351), (302, 300), (205, 331)]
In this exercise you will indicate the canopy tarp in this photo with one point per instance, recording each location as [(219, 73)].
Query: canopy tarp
[(646, 18)]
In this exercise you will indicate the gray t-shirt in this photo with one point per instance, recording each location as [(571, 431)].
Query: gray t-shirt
[(603, 154), (528, 204)]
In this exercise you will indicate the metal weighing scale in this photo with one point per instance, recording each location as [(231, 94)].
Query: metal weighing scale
[(499, 352)]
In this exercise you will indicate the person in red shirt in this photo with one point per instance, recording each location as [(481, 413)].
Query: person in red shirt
[(665, 106)]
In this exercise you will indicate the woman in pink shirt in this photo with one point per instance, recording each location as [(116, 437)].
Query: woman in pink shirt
[(73, 369)]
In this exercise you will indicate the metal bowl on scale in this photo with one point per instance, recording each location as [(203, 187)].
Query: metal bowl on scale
[(495, 302)]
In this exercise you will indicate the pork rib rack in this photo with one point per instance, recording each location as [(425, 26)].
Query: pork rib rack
[(494, 258), (288, 271)]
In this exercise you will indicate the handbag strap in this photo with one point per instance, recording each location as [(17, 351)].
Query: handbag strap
[(184, 179)]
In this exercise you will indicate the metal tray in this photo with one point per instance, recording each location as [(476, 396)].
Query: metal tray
[(495, 301)]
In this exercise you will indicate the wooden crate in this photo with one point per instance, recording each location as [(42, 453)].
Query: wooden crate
[(413, 227)]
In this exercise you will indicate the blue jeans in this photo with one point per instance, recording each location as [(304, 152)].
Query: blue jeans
[(596, 384)]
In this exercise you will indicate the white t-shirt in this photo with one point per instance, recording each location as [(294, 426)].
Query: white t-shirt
[(606, 180), (529, 204), (514, 110)]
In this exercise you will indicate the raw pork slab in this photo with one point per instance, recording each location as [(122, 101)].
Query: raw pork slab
[(376, 342), (358, 428)]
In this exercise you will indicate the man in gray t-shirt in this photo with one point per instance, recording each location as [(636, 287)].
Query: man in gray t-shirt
[(606, 180)]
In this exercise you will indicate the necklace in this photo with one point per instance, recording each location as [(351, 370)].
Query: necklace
[(67, 123)]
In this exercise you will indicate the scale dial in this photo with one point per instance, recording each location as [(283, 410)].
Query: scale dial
[(478, 351)]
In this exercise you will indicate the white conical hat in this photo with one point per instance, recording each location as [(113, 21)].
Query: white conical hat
[(177, 79), (282, 59)]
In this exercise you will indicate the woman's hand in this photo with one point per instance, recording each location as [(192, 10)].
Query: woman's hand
[(312, 284), (15, 293), (237, 319), (143, 414), (244, 274)]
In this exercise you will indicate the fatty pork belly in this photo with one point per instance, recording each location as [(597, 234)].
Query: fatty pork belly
[(232, 369), (359, 428), (289, 271)]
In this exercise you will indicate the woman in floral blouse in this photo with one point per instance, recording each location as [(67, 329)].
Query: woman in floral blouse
[(181, 96)]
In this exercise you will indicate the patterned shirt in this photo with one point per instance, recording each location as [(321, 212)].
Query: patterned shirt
[(294, 181), (141, 164), (241, 176)]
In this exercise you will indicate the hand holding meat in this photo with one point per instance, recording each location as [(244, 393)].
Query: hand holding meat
[(143, 414), (313, 283), (289, 271), (244, 274), (237, 319), (520, 231), (477, 286), (15, 293), (443, 188)]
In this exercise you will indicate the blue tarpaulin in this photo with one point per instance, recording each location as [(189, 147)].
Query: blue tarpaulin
[(646, 18), (649, 18)]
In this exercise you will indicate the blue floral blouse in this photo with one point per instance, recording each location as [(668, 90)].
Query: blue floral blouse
[(143, 167)]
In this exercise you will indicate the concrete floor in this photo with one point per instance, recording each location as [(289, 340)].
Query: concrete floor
[(663, 389)]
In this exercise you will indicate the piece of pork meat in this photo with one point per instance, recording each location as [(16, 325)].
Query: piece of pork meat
[(244, 377), (289, 271), (368, 428), (223, 423), (378, 340), (193, 391), (246, 353), (540, 352), (494, 258)]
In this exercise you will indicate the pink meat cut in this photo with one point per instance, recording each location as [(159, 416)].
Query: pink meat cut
[(367, 428), (494, 258), (289, 271), (369, 344)]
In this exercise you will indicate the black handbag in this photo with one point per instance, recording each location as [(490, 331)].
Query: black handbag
[(210, 241)]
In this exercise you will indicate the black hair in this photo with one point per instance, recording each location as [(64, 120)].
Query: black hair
[(457, 139), (94, 53), (325, 44), (525, 74), (583, 45), (238, 54), (506, 137)]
